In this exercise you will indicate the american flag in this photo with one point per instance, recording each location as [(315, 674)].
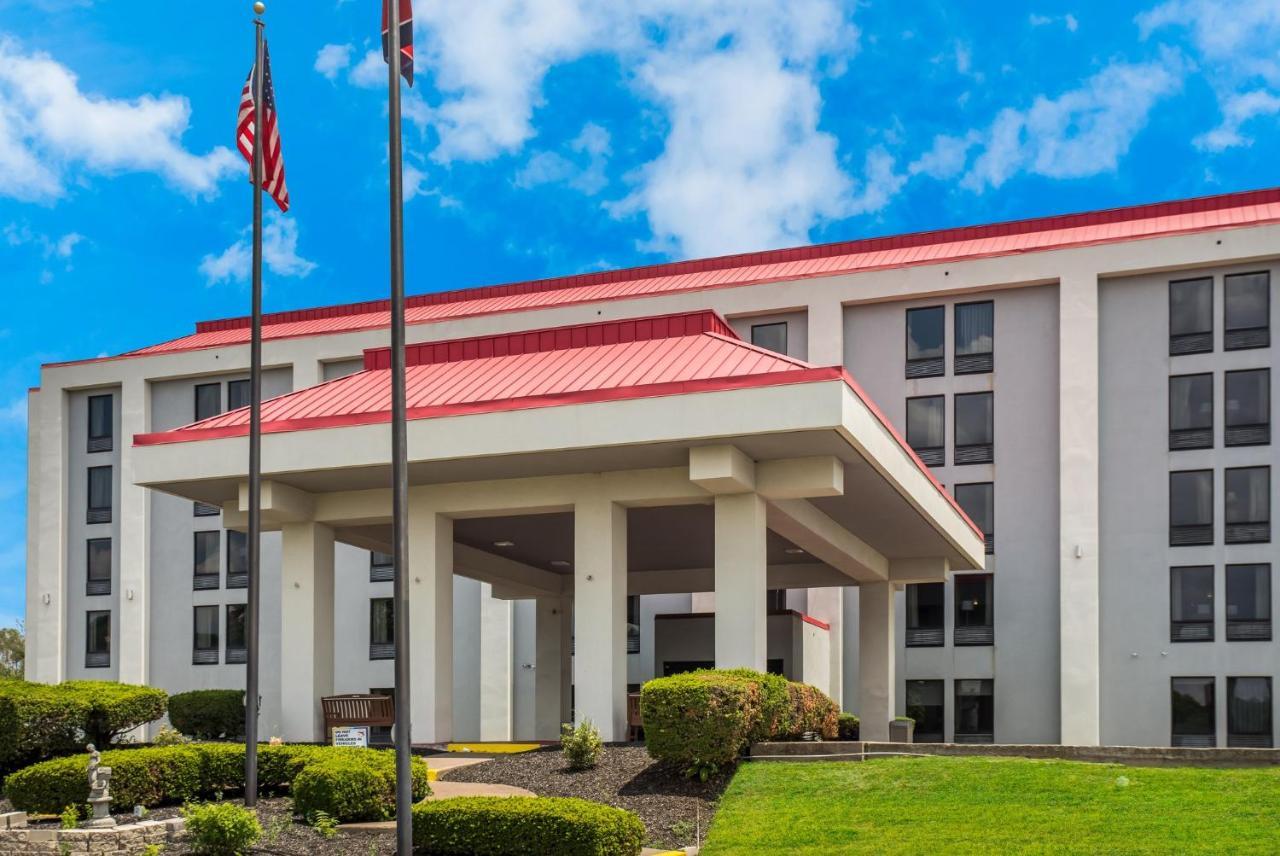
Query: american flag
[(272, 157), (406, 37)]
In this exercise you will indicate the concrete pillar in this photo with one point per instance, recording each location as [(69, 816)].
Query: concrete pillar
[(600, 615), (877, 681), (741, 584), (546, 669), (496, 653), (132, 623), (466, 660), (46, 531), (827, 605), (1080, 670), (566, 659), (431, 625), (306, 628)]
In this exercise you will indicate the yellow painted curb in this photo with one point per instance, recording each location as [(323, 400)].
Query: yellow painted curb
[(432, 774), (492, 748)]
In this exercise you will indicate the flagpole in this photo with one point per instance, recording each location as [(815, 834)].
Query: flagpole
[(251, 693), (399, 449)]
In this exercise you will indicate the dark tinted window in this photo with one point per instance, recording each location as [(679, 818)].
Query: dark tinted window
[(208, 400), (1248, 592), (98, 632), (974, 607), (975, 711), (237, 552), (1191, 498), (207, 548), (236, 639), (99, 559), (1248, 398), (926, 705), (1191, 603), (1249, 712), (237, 394), (1247, 301), (1193, 713), (100, 494), (101, 423), (1190, 307), (206, 628), (381, 621), (1248, 495), (924, 333), (1190, 402), (772, 337), (975, 328), (978, 501), (380, 560), (926, 423), (975, 420), (925, 605)]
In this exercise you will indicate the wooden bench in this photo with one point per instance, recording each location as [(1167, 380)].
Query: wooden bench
[(357, 709), (635, 724)]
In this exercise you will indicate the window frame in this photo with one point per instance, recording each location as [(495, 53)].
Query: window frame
[(917, 367), (926, 736), (974, 736), (1251, 740), (206, 580), (988, 537), (1195, 437), (1246, 433), (1186, 629), (925, 635), (233, 654), (973, 453), (966, 634), (208, 655), (195, 409), (382, 649), (1196, 341), (1194, 739), (933, 456), (1252, 531), (771, 326), (237, 578), (94, 586), (1253, 627), (1246, 338), (243, 383), (972, 362), (96, 659), (1192, 534), (100, 513), (95, 442), (381, 572)]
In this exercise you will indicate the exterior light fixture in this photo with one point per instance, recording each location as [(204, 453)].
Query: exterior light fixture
[(504, 543), (794, 551), (559, 563)]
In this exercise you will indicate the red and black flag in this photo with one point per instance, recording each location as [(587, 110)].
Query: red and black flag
[(272, 156), (406, 38)]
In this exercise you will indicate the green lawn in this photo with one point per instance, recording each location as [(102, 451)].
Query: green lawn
[(933, 805)]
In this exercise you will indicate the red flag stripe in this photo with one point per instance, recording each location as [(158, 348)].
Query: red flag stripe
[(272, 156), (406, 37)]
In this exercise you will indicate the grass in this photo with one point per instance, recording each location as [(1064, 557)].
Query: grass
[(995, 805)]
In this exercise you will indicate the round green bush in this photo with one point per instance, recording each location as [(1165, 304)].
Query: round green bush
[(344, 788), (847, 726), (524, 826), (165, 775), (221, 829), (208, 714)]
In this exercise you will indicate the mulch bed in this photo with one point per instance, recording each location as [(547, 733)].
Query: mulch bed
[(673, 808)]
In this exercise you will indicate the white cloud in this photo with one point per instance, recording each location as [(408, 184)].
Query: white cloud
[(1069, 21), (58, 249), (946, 158), (1237, 110), (332, 59), (279, 254), (585, 173), (49, 126), (1079, 133), (15, 412), (370, 72)]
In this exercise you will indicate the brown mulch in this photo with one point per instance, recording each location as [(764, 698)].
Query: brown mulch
[(675, 810)]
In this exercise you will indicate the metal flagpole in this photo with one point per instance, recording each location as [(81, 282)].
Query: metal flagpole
[(255, 435), (399, 449)]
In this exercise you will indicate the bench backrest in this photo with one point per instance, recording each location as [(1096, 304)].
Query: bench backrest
[(358, 710)]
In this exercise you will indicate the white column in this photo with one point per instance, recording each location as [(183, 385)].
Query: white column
[(47, 578), (566, 659), (827, 605), (600, 615), (306, 628), (546, 669), (1079, 693), (431, 626), (826, 334), (741, 584), (466, 660), (132, 625), (877, 681), (496, 687)]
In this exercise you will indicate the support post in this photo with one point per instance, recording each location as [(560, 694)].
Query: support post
[(430, 583), (306, 628), (741, 566), (546, 669), (600, 616), (877, 680)]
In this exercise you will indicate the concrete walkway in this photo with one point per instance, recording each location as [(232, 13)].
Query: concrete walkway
[(438, 765)]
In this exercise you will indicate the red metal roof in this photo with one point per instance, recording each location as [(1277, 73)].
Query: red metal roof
[(1073, 230)]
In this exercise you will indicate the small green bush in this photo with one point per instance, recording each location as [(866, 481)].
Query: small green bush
[(165, 775), (345, 788), (524, 826), (582, 745), (847, 726), (811, 710), (221, 829), (170, 737), (208, 714)]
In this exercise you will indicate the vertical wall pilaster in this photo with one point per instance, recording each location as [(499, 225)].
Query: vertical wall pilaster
[(546, 669), (826, 334), (46, 657), (131, 627), (1078, 570), (306, 628), (431, 625), (741, 565), (877, 675), (600, 615)]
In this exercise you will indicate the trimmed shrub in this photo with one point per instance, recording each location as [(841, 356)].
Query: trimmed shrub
[(164, 775), (848, 725), (47, 720), (581, 746), (347, 788), (208, 714), (524, 826), (221, 829), (811, 710)]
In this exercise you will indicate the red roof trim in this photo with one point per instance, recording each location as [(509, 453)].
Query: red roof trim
[(864, 245), (555, 339)]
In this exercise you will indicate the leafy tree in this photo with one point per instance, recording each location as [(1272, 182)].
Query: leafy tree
[(12, 651)]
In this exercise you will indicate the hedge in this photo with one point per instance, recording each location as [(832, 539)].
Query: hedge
[(208, 714), (524, 826), (162, 775), (47, 720), (703, 720), (348, 788)]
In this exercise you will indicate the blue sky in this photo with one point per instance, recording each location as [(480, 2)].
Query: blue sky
[(557, 136)]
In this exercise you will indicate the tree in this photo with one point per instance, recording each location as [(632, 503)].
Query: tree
[(13, 645)]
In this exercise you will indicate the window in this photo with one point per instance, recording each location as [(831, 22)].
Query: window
[(208, 400), (775, 600), (1248, 603), (926, 428), (204, 509), (238, 394), (97, 639), (1249, 712), (1248, 407), (381, 735), (1190, 508), (237, 633), (978, 501), (206, 560), (1248, 492), (237, 559), (1191, 604), (1192, 705), (975, 428), (382, 629), (975, 610), (381, 567), (1247, 299), (98, 566), (975, 337), (772, 337), (101, 423), (99, 510), (1191, 316), (633, 623), (925, 349), (925, 615), (975, 711), (1191, 411), (204, 644), (926, 705)]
